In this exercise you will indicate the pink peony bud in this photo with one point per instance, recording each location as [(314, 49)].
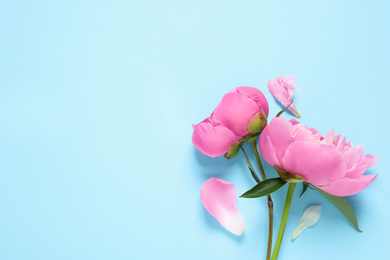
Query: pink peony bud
[(331, 164), (242, 112)]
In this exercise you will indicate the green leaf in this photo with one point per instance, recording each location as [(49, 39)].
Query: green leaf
[(304, 188), (343, 205), (254, 175), (250, 167), (264, 188), (284, 109)]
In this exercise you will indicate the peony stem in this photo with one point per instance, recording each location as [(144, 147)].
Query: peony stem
[(286, 209), (269, 201), (270, 225), (253, 144), (254, 175)]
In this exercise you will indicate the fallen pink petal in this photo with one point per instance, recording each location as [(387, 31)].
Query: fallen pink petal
[(219, 198), (283, 88)]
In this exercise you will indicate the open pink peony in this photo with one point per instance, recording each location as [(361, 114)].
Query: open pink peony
[(219, 198), (241, 112), (331, 164)]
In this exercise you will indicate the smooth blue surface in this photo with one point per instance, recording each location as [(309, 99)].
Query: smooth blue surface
[(97, 99)]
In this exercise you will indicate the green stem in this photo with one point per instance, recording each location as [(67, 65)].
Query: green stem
[(270, 225), (254, 175), (269, 201), (286, 209), (254, 147)]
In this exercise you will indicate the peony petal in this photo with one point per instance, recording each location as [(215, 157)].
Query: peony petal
[(289, 84), (331, 139), (318, 164), (283, 88), (278, 91), (293, 121), (294, 110), (213, 140), (219, 198), (301, 132), (370, 160), (365, 162), (310, 217), (254, 94), (351, 158), (267, 150), (235, 111), (315, 135), (346, 186), (279, 133)]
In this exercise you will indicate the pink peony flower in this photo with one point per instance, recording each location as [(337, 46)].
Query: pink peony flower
[(283, 88), (331, 164), (219, 198), (242, 112)]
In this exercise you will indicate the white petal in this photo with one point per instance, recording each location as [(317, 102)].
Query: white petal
[(310, 217)]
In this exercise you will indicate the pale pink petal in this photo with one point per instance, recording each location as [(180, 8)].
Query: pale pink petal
[(235, 112), (289, 84), (364, 163), (315, 135), (254, 94), (301, 132), (279, 133), (213, 140), (283, 88), (219, 198), (267, 150), (344, 146), (294, 110), (331, 139), (351, 158), (318, 164), (346, 187), (278, 91), (369, 160), (294, 121), (359, 149)]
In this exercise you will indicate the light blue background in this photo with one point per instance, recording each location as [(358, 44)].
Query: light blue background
[(97, 99)]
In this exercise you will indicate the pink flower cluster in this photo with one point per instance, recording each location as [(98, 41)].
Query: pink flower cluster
[(301, 153)]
